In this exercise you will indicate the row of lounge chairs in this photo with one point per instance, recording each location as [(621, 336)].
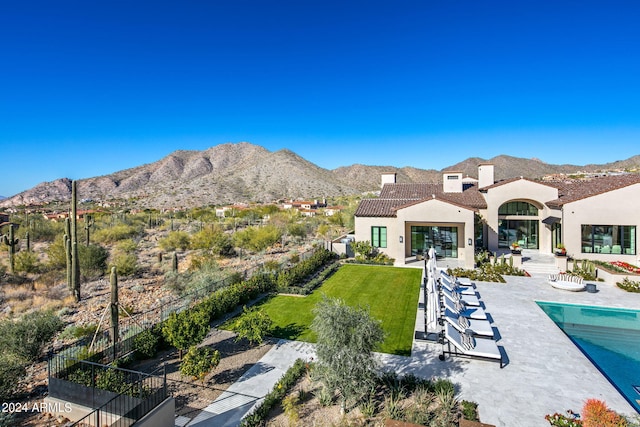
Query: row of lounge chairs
[(466, 330)]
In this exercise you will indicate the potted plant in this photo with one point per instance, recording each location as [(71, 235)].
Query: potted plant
[(515, 248), (560, 250)]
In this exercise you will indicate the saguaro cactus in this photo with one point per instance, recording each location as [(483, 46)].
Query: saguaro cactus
[(28, 239), (114, 310), (75, 262), (12, 244), (174, 262), (88, 223), (67, 250)]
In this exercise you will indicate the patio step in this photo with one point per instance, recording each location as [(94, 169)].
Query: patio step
[(540, 269)]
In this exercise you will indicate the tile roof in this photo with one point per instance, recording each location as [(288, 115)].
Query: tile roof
[(399, 195), (573, 190)]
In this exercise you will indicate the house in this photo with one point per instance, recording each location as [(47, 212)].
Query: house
[(595, 218)]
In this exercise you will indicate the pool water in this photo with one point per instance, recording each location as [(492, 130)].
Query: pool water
[(609, 337)]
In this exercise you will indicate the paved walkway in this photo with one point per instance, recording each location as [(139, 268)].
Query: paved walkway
[(544, 372)]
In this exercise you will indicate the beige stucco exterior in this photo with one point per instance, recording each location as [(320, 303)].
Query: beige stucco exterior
[(561, 213), (428, 213), (620, 207), (521, 190)]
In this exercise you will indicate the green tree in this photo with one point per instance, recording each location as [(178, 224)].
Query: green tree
[(257, 238), (27, 262), (175, 240), (346, 339), (185, 329), (364, 249), (253, 325), (199, 361), (57, 259), (93, 260)]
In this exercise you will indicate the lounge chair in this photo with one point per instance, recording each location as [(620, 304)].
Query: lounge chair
[(461, 281), (462, 324), (616, 249), (567, 282), (459, 309), (466, 345), (471, 300), (454, 287)]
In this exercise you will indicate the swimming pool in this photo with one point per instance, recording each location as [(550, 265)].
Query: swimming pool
[(609, 337)]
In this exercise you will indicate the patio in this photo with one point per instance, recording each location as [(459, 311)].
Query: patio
[(544, 372)]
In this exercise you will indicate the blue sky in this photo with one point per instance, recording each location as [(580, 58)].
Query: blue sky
[(88, 88)]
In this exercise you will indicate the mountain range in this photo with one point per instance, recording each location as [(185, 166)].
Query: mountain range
[(244, 172)]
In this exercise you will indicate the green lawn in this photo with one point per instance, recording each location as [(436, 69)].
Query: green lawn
[(391, 294)]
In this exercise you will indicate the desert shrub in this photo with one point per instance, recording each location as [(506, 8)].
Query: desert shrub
[(26, 262), (12, 370), (126, 246), (145, 344), (213, 239), (199, 361), (126, 264), (27, 337), (253, 325), (78, 331), (257, 238), (116, 233), (56, 256), (93, 260), (175, 240)]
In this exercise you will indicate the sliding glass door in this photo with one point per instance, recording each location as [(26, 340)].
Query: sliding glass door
[(443, 239)]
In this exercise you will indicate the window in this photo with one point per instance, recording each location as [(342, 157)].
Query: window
[(379, 237), (518, 208), (609, 239), (452, 176)]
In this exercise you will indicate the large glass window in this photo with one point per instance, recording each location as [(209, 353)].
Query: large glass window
[(518, 208), (443, 239), (379, 237), (609, 239), (524, 232)]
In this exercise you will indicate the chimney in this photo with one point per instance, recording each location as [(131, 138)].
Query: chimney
[(485, 175), (388, 178), (452, 182)]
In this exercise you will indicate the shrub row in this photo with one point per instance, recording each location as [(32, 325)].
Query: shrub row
[(275, 396), (312, 284), (299, 272), (225, 300)]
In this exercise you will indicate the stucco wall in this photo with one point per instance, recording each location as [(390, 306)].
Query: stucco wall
[(620, 207), (520, 190), (436, 212), (394, 249)]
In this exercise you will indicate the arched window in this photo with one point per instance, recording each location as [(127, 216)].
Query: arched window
[(518, 208)]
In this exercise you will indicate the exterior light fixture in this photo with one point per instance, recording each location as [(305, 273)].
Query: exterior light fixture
[(469, 241), (400, 239)]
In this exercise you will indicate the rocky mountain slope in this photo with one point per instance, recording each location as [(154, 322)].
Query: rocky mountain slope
[(244, 172)]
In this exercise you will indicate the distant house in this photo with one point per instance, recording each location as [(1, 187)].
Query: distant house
[(4, 217), (595, 218), (61, 216)]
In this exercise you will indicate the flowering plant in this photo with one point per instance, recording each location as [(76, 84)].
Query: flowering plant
[(625, 265), (560, 420)]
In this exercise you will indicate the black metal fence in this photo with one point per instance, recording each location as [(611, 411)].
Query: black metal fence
[(100, 348), (119, 396)]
